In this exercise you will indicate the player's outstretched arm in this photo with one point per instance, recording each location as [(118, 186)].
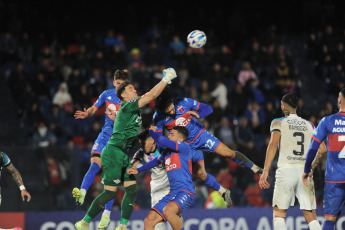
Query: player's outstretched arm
[(79, 114), (19, 181), (270, 154), (202, 111), (137, 158), (149, 165), (163, 141), (169, 74)]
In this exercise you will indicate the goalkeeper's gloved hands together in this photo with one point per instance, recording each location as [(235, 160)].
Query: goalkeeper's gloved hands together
[(168, 75)]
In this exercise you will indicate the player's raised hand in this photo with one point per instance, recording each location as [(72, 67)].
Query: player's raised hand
[(194, 114), (306, 176), (131, 171), (263, 182), (168, 75), (24, 194), (81, 114)]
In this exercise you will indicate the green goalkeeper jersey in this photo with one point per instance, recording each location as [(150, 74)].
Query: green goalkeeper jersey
[(127, 124)]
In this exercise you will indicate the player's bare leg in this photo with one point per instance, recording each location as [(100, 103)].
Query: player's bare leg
[(279, 218), (311, 219), (171, 212), (151, 220), (200, 171), (238, 157)]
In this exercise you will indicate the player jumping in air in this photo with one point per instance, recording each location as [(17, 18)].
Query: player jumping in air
[(114, 157), (159, 184), (292, 134), (177, 158), (112, 103), (182, 111), (332, 129)]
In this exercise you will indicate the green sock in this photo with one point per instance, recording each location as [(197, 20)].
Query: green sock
[(98, 204), (127, 204)]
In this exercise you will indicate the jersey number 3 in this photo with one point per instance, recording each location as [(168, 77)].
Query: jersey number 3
[(301, 143)]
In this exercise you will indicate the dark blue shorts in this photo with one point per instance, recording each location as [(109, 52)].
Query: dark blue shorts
[(100, 142), (334, 198), (182, 198), (205, 142)]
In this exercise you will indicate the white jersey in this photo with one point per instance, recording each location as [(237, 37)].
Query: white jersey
[(159, 176), (295, 138)]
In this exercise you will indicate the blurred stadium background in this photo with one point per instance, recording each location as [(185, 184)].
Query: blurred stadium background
[(57, 57)]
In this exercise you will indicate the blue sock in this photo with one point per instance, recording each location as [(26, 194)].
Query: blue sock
[(328, 225), (90, 176), (241, 159), (211, 182), (109, 205)]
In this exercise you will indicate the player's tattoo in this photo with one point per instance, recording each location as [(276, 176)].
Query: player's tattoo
[(15, 174), (317, 160)]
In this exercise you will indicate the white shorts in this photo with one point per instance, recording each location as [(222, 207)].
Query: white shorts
[(158, 195), (289, 185)]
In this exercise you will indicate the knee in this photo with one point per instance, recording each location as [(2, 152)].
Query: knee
[(167, 211), (148, 222), (279, 214)]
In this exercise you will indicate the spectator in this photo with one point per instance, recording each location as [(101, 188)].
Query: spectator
[(117, 57), (177, 47), (153, 56), (246, 73), (225, 133), (42, 139), (41, 86), (256, 117), (239, 99), (205, 94), (63, 98), (243, 133), (83, 98), (220, 93), (257, 93)]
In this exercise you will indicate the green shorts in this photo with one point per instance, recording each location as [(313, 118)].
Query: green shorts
[(115, 163)]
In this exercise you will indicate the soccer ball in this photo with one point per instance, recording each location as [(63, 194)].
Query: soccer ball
[(196, 39)]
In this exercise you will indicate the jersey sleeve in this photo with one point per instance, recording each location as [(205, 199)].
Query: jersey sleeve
[(138, 155), (276, 125), (182, 147), (161, 159), (320, 133), (158, 121), (100, 101), (191, 104)]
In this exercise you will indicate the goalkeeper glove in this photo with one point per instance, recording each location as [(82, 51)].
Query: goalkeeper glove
[(168, 75)]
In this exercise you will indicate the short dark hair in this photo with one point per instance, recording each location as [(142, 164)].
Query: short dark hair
[(182, 130), (122, 88), (342, 91), (290, 99), (164, 100), (144, 135), (121, 75)]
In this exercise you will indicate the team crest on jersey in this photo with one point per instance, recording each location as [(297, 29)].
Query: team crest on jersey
[(173, 162)]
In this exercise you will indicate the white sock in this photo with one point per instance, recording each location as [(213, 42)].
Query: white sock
[(279, 223), (314, 225), (159, 226), (106, 212), (83, 191), (222, 190)]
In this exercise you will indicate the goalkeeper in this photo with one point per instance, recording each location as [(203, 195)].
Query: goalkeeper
[(114, 157)]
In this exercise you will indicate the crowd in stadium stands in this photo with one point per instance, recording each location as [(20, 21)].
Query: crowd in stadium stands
[(49, 81)]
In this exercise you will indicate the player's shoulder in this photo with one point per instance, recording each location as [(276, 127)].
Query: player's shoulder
[(178, 100), (158, 116), (278, 120)]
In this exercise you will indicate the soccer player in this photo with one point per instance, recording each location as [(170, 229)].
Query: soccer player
[(6, 162), (182, 111), (292, 134), (332, 128), (159, 184), (177, 158), (112, 103), (114, 156)]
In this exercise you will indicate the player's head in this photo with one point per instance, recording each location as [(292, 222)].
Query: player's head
[(119, 77), (126, 91), (178, 133), (289, 103), (341, 99), (164, 103), (147, 143)]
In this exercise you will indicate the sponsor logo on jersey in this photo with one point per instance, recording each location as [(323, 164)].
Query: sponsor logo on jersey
[(172, 162), (109, 97), (117, 181)]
